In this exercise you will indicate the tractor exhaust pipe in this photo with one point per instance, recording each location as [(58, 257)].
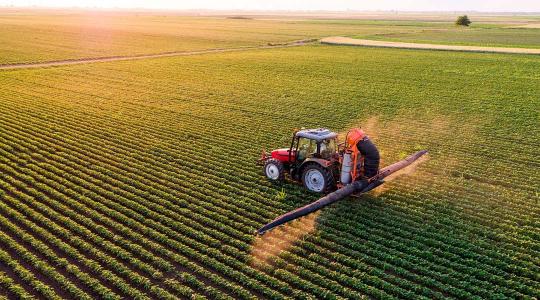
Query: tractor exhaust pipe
[(361, 186)]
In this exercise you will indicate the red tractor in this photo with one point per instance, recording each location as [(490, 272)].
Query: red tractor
[(320, 162)]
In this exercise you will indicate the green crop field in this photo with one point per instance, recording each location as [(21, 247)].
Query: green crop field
[(35, 36), (137, 179)]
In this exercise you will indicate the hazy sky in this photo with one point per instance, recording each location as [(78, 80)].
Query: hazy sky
[(405, 5)]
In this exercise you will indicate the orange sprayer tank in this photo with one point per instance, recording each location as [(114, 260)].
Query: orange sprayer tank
[(350, 165), (354, 136)]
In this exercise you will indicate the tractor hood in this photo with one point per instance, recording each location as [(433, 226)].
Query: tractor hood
[(283, 155)]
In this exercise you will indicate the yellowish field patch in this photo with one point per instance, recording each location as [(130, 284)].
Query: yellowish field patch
[(345, 41)]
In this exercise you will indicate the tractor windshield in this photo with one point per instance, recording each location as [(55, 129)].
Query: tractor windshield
[(328, 148), (306, 148)]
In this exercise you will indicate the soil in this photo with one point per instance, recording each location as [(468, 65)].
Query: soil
[(337, 40)]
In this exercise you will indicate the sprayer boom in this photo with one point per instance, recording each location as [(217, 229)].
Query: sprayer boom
[(359, 186)]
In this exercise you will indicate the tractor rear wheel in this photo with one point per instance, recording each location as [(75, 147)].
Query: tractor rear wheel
[(317, 178), (273, 169)]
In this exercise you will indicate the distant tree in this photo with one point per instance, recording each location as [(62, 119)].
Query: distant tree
[(463, 21)]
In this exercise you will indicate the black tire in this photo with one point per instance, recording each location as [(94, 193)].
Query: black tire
[(316, 173), (273, 170)]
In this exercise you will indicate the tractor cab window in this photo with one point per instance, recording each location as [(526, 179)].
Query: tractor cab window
[(328, 148), (306, 148)]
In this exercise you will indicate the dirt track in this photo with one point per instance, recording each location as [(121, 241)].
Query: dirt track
[(531, 25), (145, 56), (329, 40), (337, 40)]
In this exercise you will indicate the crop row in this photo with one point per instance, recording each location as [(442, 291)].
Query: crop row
[(171, 203), (163, 92), (170, 232), (77, 242)]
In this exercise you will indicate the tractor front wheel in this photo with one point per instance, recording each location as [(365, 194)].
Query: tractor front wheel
[(273, 169), (317, 178)]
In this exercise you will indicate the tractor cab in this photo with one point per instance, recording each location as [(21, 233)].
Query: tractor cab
[(314, 143)]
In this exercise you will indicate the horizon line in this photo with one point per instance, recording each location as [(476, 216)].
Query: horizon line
[(132, 9)]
